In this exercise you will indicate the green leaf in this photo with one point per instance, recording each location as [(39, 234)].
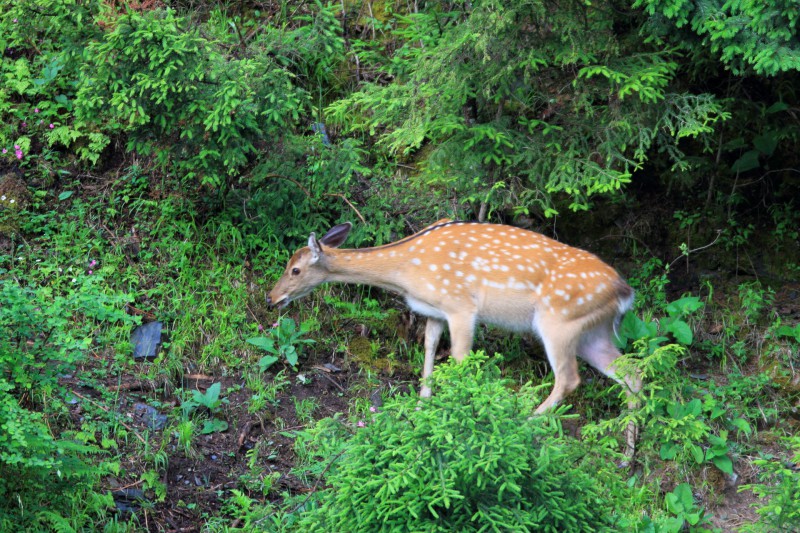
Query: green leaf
[(697, 453), (777, 107), (681, 331), (214, 426), (684, 306), (64, 195), (766, 142), (748, 161), (265, 343), (724, 463), (668, 451), (742, 425), (267, 361), (291, 355)]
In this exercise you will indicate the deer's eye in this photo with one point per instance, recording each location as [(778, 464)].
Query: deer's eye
[(295, 271)]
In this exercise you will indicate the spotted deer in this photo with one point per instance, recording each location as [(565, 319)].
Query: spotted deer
[(464, 273)]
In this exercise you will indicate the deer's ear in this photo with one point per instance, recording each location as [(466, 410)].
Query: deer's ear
[(336, 235), (316, 249)]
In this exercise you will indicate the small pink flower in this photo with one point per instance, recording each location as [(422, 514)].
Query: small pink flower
[(5, 151), (24, 124), (275, 325), (92, 263), (260, 327), (91, 272), (16, 147), (35, 109), (361, 424), (15, 21), (372, 409), (52, 126), (18, 153)]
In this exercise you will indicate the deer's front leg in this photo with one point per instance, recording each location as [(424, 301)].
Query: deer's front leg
[(433, 332)]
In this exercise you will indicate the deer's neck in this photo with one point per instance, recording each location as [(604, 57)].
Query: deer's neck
[(378, 267)]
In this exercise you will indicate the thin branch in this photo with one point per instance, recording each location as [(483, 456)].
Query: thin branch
[(688, 252), (358, 213)]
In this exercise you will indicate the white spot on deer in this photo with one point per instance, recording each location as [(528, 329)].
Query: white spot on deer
[(446, 266), (412, 248), (446, 281), (580, 301), (470, 278), (589, 297), (431, 287), (416, 261), (600, 288), (504, 268), (432, 267)]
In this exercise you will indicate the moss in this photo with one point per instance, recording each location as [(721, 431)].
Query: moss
[(360, 350), (363, 352), (14, 193)]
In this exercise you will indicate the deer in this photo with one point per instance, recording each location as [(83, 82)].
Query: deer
[(467, 273)]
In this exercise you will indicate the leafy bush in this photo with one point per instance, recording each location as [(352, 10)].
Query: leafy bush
[(178, 97), (778, 492), (42, 337), (467, 459)]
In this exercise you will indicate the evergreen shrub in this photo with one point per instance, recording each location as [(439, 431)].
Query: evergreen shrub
[(470, 458)]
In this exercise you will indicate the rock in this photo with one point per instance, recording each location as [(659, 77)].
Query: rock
[(146, 340), (154, 420)]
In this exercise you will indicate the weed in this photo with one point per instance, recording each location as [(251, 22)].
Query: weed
[(283, 341), (304, 409)]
